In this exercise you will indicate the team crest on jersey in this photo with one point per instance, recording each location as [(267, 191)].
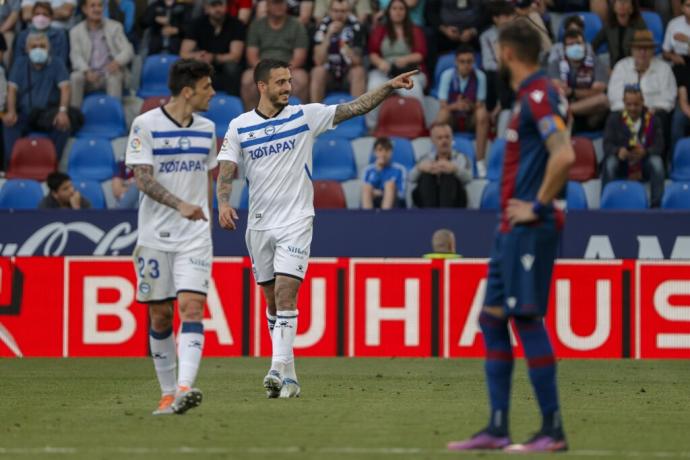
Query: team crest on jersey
[(512, 135), (184, 143), (135, 144), (136, 130), (225, 144), (270, 130), (537, 96)]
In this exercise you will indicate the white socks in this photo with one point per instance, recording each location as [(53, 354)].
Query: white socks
[(189, 350), (164, 359), (283, 338), (271, 320)]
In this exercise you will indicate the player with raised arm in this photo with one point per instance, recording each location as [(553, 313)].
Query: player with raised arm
[(273, 144), (172, 152), (535, 170)]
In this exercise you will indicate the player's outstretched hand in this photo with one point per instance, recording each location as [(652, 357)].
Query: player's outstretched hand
[(520, 212), (227, 217), (191, 211), (404, 80)]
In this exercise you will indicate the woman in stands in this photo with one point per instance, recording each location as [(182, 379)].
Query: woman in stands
[(624, 19)]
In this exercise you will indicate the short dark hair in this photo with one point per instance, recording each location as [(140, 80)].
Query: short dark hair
[(521, 35), (500, 8), (440, 124), (574, 19), (187, 72), (633, 88), (56, 179), (573, 34), (464, 48), (383, 142), (45, 5), (262, 71)]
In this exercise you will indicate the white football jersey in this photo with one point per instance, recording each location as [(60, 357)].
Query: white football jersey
[(181, 158), (276, 157)]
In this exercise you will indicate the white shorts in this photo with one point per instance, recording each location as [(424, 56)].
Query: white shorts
[(280, 251), (161, 275)]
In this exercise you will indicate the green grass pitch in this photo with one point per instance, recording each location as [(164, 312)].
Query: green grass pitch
[(349, 409)]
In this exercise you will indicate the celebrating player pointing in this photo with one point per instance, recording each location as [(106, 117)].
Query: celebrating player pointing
[(273, 144)]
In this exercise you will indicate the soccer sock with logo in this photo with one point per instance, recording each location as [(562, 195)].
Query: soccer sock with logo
[(162, 346), (189, 349), (283, 338), (541, 363), (499, 370), (271, 321)]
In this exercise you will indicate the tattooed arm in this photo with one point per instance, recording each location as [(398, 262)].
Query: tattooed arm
[(151, 187), (226, 214), (368, 101)]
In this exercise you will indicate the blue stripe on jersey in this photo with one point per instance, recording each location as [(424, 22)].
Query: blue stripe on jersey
[(180, 151), (263, 140), (159, 134), (278, 122), (306, 168)]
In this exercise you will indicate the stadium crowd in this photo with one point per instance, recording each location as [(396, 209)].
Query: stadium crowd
[(75, 75)]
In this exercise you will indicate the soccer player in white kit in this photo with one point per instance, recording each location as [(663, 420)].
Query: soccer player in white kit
[(273, 144), (172, 152)]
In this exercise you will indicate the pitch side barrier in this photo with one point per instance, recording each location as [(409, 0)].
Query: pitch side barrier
[(85, 306)]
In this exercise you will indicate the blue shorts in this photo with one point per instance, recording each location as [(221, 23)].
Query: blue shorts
[(520, 270)]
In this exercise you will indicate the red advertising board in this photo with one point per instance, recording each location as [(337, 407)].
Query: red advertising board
[(662, 310)]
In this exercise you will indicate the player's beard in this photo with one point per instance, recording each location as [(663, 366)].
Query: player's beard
[(277, 102)]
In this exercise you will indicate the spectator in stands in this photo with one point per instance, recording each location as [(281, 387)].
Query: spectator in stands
[(9, 15), (681, 116), (677, 39), (100, 53), (443, 245), (38, 94), (462, 94), (441, 175), (360, 8), (166, 21), (300, 9), (63, 12), (241, 9), (277, 36), (3, 48), (530, 10), (654, 76), (582, 78), (41, 21), (501, 12), (454, 22), (384, 180), (338, 49), (572, 22), (61, 194), (634, 145), (395, 47), (416, 7), (623, 21), (218, 39), (124, 188)]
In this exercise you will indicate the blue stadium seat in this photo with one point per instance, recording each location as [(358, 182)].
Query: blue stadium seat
[(494, 169), (349, 129), (592, 25), (294, 100), (444, 62), (91, 159), (333, 160), (680, 167), (575, 196), (656, 25), (491, 196), (244, 198), (403, 152), (103, 117), (154, 75), (624, 194), (676, 196), (20, 194), (92, 191), (222, 109), (464, 145)]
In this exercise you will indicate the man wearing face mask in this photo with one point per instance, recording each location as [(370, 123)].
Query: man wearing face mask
[(38, 89), (41, 21), (581, 76)]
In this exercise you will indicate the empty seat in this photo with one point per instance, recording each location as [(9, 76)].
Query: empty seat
[(656, 25), (464, 145), (103, 117), (333, 160), (154, 75), (490, 196), (444, 63), (624, 194), (222, 109), (402, 117), (329, 194), (92, 191), (348, 129), (32, 158), (403, 153), (575, 196), (676, 196), (592, 25), (20, 194), (494, 169), (680, 168), (585, 166), (91, 159), (153, 102)]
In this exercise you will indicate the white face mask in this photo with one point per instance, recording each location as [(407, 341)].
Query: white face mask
[(38, 55)]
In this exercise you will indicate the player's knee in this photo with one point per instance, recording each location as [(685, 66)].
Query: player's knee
[(161, 317), (192, 310), (286, 297)]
